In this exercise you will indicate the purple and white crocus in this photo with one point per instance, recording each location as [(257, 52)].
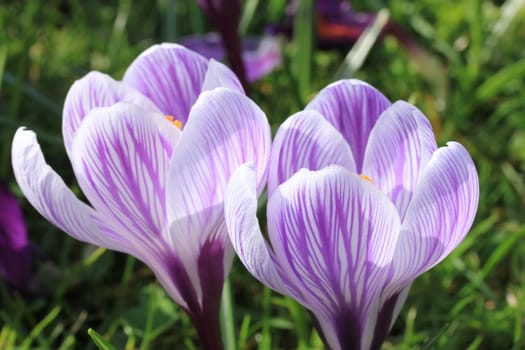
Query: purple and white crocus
[(361, 202), (153, 154)]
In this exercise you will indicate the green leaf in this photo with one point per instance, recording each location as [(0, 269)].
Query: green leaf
[(497, 82), (226, 317)]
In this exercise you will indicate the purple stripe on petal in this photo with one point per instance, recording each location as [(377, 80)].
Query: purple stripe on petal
[(120, 158), (306, 140), (96, 90), (399, 147), (387, 313), (333, 235), (440, 214), (353, 107), (189, 235), (204, 312), (171, 76)]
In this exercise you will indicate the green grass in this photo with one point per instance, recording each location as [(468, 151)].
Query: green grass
[(470, 83)]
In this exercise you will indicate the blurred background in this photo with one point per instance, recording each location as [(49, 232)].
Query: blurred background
[(461, 62)]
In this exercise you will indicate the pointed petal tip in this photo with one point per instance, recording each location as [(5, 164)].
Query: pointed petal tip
[(219, 75)]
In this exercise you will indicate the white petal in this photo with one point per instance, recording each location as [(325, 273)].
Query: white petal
[(240, 209), (47, 192)]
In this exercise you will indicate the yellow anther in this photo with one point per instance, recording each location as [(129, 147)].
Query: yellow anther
[(366, 178), (174, 121)]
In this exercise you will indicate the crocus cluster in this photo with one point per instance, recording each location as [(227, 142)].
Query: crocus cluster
[(172, 160), (361, 202)]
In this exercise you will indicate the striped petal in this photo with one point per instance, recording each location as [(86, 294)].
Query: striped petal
[(219, 75), (240, 209), (120, 158), (306, 140), (333, 235), (399, 147), (171, 76), (96, 90), (225, 129), (47, 192), (353, 107), (50, 196), (440, 214)]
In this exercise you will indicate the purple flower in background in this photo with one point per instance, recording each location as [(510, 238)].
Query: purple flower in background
[(338, 25), (226, 15), (15, 251), (361, 202), (155, 191), (259, 55)]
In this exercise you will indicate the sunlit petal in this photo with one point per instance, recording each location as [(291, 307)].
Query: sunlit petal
[(440, 214), (400, 146)]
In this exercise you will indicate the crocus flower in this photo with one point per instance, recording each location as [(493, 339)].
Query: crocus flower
[(154, 191), (361, 202), (260, 56), (15, 251)]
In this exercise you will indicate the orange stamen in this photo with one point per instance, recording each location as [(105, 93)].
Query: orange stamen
[(366, 178), (174, 121)]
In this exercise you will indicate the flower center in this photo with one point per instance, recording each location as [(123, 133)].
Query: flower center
[(366, 178), (174, 121)]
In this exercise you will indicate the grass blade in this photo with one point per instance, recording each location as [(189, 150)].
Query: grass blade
[(303, 46), (99, 341), (357, 55)]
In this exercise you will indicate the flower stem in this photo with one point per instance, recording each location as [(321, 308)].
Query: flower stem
[(226, 318)]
